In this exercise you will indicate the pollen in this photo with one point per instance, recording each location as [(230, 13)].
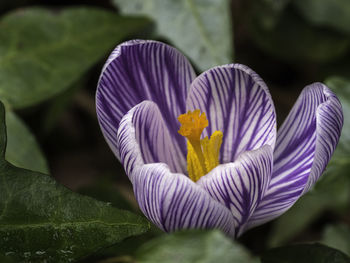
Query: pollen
[(192, 124), (202, 154)]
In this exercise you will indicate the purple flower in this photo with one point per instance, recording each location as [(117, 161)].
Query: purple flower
[(244, 174)]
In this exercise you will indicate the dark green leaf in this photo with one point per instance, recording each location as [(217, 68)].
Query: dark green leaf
[(22, 147), (193, 247), (59, 105), (268, 13), (293, 40), (337, 236), (106, 191), (200, 28), (129, 246), (335, 13), (42, 220), (43, 52), (304, 253), (332, 192), (296, 219), (339, 68)]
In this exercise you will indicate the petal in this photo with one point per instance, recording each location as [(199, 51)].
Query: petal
[(173, 201), (144, 137), (305, 143), (170, 200), (241, 185), (330, 121), (137, 71), (238, 103)]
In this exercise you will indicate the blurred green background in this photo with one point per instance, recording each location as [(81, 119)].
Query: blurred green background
[(51, 55)]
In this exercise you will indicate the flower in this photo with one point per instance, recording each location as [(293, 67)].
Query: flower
[(245, 174)]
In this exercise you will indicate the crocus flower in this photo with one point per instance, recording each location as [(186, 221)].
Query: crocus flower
[(203, 152)]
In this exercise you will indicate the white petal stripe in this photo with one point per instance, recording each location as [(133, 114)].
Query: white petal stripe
[(141, 70), (241, 185), (173, 201), (143, 137), (238, 103), (305, 143), (157, 144)]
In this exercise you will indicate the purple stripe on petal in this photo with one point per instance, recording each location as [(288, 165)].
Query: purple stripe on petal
[(172, 201), (238, 103), (142, 70), (305, 143), (128, 147), (241, 185), (329, 119), (157, 145), (143, 137)]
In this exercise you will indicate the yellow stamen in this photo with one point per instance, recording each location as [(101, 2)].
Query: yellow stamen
[(202, 154)]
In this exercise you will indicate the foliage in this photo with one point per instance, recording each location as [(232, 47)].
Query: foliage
[(42, 52), (293, 40), (337, 236), (54, 223), (206, 41), (22, 147), (307, 253), (192, 247), (334, 14), (50, 60)]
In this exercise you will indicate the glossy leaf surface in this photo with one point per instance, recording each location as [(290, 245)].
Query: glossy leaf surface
[(199, 28), (42, 220), (43, 52)]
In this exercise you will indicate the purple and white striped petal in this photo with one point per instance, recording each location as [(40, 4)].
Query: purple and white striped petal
[(141, 70), (241, 185), (172, 201), (238, 103), (143, 137), (305, 143)]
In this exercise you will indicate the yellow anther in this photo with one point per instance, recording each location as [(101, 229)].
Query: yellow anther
[(202, 155), (211, 150), (195, 168)]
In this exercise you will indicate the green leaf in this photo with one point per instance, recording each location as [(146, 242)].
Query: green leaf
[(339, 68), (304, 253), (332, 192), (22, 147), (58, 105), (267, 13), (296, 219), (335, 13), (41, 220), (337, 236), (43, 52), (200, 28), (129, 246), (193, 246), (293, 40), (105, 191)]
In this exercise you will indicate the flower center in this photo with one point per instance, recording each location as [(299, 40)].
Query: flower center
[(202, 154)]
